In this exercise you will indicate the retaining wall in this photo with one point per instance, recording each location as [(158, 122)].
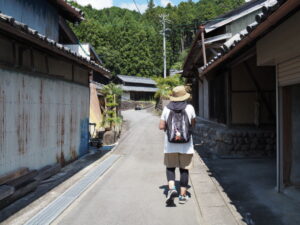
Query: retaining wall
[(221, 140)]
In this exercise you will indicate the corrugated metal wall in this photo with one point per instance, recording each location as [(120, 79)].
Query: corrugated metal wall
[(289, 72), (42, 121), (37, 14)]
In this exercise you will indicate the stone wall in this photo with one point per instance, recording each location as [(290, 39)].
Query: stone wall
[(126, 105), (223, 141)]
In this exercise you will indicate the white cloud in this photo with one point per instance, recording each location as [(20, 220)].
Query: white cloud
[(97, 4), (131, 6), (164, 3)]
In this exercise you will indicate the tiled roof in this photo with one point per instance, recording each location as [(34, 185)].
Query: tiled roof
[(76, 9), (233, 15), (138, 89), (230, 44), (70, 12), (23, 28), (138, 80), (246, 9)]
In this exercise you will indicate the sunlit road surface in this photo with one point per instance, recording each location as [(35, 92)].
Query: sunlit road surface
[(132, 191)]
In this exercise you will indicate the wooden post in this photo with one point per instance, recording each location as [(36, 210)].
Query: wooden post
[(6, 191), (13, 175), (228, 97), (20, 181), (286, 134)]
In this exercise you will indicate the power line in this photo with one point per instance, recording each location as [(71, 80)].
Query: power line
[(136, 6)]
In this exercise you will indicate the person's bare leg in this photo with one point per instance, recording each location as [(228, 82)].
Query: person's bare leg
[(183, 191), (171, 184)]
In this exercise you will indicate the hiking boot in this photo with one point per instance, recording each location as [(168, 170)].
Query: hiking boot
[(171, 195), (183, 199)]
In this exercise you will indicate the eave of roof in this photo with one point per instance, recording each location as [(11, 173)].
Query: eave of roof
[(235, 14), (224, 20), (9, 25), (138, 89), (68, 11), (265, 20), (138, 80)]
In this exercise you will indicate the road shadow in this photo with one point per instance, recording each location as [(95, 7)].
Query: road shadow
[(250, 185), (47, 185)]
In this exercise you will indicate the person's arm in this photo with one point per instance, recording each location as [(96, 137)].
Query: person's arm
[(162, 122), (162, 125), (193, 122), (193, 117)]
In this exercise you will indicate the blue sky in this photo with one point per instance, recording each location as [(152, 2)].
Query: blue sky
[(129, 4)]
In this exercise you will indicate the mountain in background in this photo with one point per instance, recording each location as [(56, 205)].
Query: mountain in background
[(130, 43)]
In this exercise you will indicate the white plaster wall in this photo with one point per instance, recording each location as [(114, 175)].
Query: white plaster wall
[(125, 96)]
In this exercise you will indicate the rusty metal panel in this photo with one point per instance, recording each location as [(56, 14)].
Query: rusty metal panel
[(42, 121)]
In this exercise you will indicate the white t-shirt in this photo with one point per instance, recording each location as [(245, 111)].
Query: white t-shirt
[(185, 148)]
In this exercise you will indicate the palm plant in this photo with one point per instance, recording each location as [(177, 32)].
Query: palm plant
[(111, 92)]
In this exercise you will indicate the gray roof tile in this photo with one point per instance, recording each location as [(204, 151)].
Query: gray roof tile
[(138, 80)]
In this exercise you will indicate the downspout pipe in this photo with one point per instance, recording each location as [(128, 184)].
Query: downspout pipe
[(202, 30)]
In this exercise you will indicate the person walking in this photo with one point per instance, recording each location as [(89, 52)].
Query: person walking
[(177, 119)]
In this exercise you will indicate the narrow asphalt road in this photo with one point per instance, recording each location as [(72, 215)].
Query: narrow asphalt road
[(133, 191)]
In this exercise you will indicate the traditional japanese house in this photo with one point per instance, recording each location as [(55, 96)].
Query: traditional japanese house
[(248, 93), (44, 86), (97, 102), (215, 33), (136, 88)]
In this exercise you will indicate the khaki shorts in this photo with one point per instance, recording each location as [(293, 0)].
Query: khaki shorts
[(184, 161)]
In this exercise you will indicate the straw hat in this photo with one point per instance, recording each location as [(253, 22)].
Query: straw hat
[(179, 94)]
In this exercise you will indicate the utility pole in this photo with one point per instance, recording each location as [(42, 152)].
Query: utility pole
[(164, 20)]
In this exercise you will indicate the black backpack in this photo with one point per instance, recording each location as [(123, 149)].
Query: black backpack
[(178, 127)]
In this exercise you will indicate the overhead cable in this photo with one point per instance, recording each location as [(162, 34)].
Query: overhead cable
[(136, 6)]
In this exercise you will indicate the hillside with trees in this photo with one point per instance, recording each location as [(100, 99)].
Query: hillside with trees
[(130, 43)]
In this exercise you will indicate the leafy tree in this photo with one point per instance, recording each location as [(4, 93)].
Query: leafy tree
[(130, 43), (165, 85)]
